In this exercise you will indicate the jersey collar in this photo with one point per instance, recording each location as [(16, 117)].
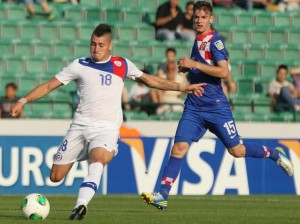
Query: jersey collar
[(201, 37), (102, 62)]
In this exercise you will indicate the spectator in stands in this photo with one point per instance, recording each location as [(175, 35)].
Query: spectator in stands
[(283, 94), (44, 5), (295, 72), (288, 5), (125, 99), (140, 93), (187, 32), (169, 18), (9, 100), (170, 57), (171, 96), (227, 4)]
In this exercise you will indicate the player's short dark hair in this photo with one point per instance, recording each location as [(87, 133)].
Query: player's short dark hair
[(101, 30), (11, 85), (285, 67), (171, 49), (188, 4), (203, 5)]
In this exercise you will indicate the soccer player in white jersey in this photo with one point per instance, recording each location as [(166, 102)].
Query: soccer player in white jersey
[(94, 131)]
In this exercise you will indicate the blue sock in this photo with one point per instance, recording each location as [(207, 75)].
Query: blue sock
[(260, 151), (170, 174)]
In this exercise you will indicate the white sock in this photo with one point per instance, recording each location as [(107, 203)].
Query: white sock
[(90, 184)]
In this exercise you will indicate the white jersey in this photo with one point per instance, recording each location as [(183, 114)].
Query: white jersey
[(99, 88)]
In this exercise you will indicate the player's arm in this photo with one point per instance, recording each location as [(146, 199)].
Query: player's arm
[(37, 93), (163, 84), (220, 70)]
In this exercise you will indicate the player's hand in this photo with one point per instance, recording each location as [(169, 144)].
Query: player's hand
[(16, 109), (185, 63), (196, 89)]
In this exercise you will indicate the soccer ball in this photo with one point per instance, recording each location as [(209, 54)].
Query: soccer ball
[(35, 206)]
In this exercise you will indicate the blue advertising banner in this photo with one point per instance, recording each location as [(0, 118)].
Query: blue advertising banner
[(25, 162)]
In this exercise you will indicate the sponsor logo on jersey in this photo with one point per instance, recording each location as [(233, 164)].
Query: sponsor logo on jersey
[(118, 63), (219, 45)]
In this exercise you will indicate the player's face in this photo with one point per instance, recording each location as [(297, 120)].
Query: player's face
[(202, 21), (100, 47)]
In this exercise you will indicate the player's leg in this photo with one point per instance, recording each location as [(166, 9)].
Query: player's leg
[(102, 148), (58, 172), (224, 128), (183, 139), (99, 158)]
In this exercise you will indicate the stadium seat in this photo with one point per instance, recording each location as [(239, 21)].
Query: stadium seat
[(255, 51), (113, 14), (62, 48), (236, 51), (5, 80), (35, 64), (158, 49), (241, 103), (40, 109), (236, 68), (295, 16), (282, 19), (245, 87), (48, 31), (245, 18), (225, 32), (76, 13), (7, 47), (43, 48), (151, 5), (132, 15), (249, 67), (129, 4), (225, 17), (81, 48), (108, 4), (145, 32), (239, 35), (242, 116), (55, 64), (293, 35), (261, 88), (277, 35), (23, 47), (267, 69), (132, 115), (90, 2), (122, 48), (125, 32), (28, 30), (274, 52), (16, 12), (15, 64), (94, 14), (3, 13), (259, 35), (85, 30), (140, 49), (291, 51), (9, 29), (264, 18), (26, 84), (68, 32)]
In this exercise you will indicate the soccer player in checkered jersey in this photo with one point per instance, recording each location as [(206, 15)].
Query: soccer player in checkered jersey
[(94, 131), (208, 64)]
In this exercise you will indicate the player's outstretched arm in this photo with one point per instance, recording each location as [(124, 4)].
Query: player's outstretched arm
[(219, 70), (37, 93), (163, 84)]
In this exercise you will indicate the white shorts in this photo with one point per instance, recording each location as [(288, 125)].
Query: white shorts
[(80, 140)]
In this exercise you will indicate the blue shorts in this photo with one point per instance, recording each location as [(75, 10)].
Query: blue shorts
[(193, 125)]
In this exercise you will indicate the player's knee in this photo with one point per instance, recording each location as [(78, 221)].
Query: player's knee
[(236, 152), (179, 149), (55, 177)]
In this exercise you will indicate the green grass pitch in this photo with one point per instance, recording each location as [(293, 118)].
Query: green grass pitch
[(182, 209)]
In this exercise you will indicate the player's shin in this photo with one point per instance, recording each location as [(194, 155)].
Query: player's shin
[(170, 174), (260, 151), (90, 184)]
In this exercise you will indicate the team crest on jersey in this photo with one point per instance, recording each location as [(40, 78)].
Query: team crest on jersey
[(118, 63), (219, 45), (202, 46)]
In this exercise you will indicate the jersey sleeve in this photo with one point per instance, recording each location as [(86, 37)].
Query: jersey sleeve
[(217, 49), (132, 71), (67, 74)]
